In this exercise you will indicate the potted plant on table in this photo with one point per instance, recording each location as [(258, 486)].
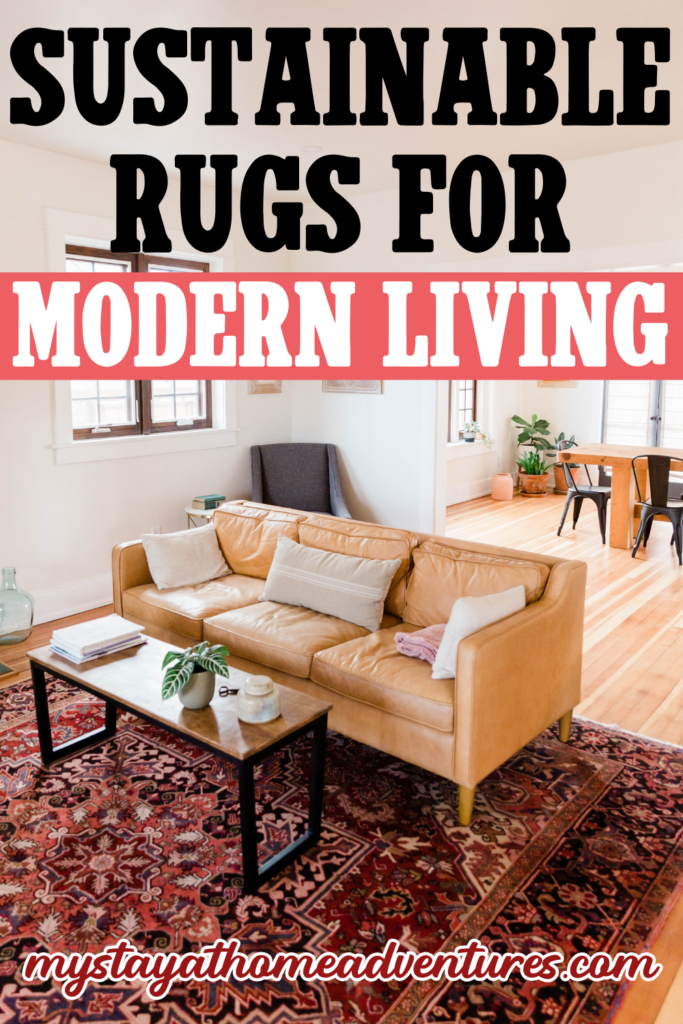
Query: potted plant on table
[(192, 674), (561, 444), (470, 431), (533, 474)]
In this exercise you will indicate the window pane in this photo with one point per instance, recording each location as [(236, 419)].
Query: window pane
[(84, 389), (112, 403), (75, 266), (114, 411), (163, 410), (78, 265), (84, 413), (113, 388), (627, 416), (187, 407), (465, 403), (184, 387), (171, 270), (672, 414)]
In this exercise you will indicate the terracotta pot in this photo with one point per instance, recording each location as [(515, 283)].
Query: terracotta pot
[(560, 481), (502, 487), (534, 486)]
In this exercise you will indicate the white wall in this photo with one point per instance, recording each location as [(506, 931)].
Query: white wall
[(575, 411), (386, 447)]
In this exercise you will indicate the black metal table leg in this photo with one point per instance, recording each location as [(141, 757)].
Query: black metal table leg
[(317, 782), (250, 872), (255, 876), (50, 753), (42, 713)]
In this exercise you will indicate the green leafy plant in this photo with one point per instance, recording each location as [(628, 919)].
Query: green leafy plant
[(471, 427), (534, 433), (533, 464), (569, 442), (192, 659)]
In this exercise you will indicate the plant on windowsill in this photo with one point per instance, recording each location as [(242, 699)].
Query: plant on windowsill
[(561, 444), (533, 474), (192, 674), (470, 431)]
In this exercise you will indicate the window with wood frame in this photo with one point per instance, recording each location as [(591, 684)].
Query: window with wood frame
[(120, 408), (462, 407)]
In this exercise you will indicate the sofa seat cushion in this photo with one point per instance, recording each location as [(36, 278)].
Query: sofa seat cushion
[(184, 609), (281, 636), (372, 671), (443, 573)]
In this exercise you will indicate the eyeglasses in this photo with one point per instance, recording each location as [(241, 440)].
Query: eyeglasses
[(226, 691)]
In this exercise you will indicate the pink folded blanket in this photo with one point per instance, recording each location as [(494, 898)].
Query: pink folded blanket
[(424, 643)]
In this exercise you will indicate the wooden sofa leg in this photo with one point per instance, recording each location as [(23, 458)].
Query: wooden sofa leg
[(465, 804), (565, 725)]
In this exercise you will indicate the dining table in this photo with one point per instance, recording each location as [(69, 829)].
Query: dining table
[(625, 508)]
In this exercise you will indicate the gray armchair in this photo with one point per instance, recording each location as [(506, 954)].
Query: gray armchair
[(303, 476)]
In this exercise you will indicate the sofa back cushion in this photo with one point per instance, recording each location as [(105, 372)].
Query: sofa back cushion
[(442, 574), (347, 537), (248, 536)]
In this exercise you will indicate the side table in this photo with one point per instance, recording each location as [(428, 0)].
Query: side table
[(198, 513)]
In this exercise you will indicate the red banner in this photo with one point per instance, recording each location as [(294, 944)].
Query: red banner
[(367, 326)]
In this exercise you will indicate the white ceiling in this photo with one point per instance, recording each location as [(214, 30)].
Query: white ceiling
[(71, 135)]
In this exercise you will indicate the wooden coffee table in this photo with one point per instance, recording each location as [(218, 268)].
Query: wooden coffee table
[(131, 680)]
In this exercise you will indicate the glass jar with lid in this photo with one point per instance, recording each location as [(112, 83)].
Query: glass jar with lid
[(258, 700)]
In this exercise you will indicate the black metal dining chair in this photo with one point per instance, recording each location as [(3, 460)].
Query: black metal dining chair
[(659, 503), (576, 493)]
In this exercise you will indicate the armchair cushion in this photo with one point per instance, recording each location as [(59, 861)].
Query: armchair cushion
[(372, 671)]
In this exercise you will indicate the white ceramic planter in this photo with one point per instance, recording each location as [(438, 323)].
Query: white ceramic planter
[(198, 691)]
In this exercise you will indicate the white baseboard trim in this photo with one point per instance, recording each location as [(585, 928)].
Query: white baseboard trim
[(74, 598), (458, 492)]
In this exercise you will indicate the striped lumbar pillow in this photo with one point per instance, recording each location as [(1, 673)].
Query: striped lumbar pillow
[(347, 587)]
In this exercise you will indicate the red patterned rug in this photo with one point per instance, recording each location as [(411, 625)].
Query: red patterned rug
[(572, 848)]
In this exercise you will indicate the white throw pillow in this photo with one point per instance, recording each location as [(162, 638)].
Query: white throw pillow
[(345, 586), (183, 558), (469, 615)]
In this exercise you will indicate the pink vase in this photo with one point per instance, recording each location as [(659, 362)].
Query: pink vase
[(501, 487)]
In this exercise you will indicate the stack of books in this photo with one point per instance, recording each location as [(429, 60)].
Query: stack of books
[(87, 641), (208, 501)]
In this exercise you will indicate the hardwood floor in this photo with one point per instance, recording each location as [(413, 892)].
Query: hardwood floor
[(633, 638)]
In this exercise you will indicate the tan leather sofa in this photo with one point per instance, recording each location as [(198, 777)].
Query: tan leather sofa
[(507, 690)]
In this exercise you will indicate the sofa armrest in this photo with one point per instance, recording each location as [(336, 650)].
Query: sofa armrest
[(508, 688), (129, 569)]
